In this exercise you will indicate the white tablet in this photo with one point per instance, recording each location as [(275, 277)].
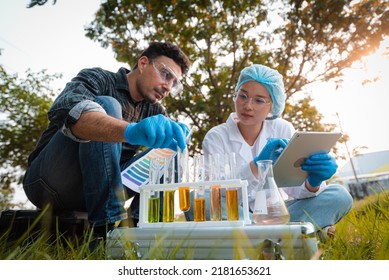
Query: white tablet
[(287, 170)]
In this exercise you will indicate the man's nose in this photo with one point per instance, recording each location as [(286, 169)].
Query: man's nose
[(166, 87)]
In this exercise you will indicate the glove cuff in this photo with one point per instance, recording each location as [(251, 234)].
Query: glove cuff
[(128, 132), (314, 183), (255, 161)]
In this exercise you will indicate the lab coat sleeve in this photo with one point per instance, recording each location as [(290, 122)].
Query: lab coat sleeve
[(245, 173), (301, 192), (213, 143), (297, 192)]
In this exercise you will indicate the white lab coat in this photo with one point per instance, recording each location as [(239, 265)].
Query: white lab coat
[(226, 138)]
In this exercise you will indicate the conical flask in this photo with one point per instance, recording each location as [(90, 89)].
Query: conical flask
[(269, 206)]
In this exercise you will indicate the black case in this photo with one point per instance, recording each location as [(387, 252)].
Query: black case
[(18, 223)]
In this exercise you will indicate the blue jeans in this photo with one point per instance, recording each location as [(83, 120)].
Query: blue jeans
[(74, 176), (326, 209)]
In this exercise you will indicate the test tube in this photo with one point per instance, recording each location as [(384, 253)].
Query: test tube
[(154, 200), (183, 177), (184, 198), (199, 195), (215, 191), (199, 205), (168, 194), (154, 206), (232, 202), (168, 206)]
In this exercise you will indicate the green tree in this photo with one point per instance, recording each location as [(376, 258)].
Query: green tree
[(23, 105), (306, 41)]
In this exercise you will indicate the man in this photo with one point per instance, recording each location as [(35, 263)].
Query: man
[(96, 126)]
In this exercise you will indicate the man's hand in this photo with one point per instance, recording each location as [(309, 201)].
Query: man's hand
[(186, 131), (157, 132)]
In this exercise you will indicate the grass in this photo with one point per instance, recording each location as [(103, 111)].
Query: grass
[(364, 233), (361, 235)]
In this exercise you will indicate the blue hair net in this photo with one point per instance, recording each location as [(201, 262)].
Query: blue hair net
[(271, 80)]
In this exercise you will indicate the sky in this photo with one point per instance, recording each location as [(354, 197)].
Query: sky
[(52, 37)]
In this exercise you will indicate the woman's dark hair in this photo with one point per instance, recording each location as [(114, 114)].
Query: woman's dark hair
[(156, 49)]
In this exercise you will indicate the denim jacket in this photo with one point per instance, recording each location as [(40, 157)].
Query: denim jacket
[(79, 96)]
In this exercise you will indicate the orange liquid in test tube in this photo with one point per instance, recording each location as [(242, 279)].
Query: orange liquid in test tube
[(184, 198), (232, 204), (215, 203), (199, 209)]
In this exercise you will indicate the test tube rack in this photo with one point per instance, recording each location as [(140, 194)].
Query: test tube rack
[(147, 190)]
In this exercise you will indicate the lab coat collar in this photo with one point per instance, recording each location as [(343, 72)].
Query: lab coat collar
[(238, 141), (236, 137)]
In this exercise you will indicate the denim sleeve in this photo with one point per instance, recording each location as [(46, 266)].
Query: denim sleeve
[(79, 92), (75, 113)]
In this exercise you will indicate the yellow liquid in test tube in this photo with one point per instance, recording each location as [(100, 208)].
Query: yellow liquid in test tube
[(215, 203), (232, 204), (184, 198), (153, 210), (199, 209), (168, 206)]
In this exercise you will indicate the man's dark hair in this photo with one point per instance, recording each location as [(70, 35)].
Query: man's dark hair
[(156, 49)]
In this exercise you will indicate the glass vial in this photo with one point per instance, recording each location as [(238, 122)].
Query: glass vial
[(154, 208), (199, 206), (199, 209), (215, 190), (232, 204), (232, 199), (168, 206), (183, 177), (269, 206), (154, 200), (168, 194), (184, 198)]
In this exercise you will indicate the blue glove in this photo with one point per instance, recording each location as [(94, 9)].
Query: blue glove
[(156, 132), (186, 131), (272, 149), (187, 134), (320, 167)]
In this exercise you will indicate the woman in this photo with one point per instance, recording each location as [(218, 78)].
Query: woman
[(256, 132)]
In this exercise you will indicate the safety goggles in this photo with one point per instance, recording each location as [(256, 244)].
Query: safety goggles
[(256, 102), (167, 75)]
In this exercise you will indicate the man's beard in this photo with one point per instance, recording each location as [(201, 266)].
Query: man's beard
[(145, 96)]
